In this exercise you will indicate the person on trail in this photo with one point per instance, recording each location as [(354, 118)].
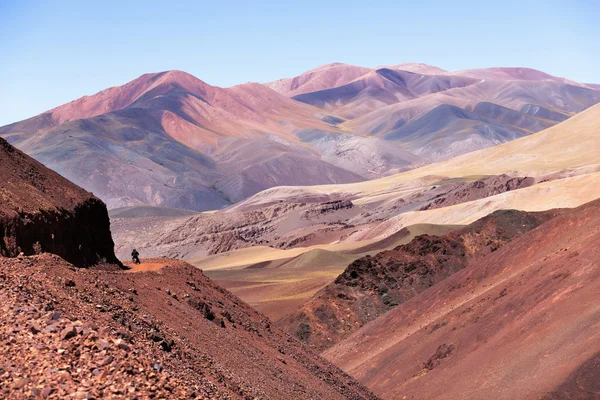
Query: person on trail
[(135, 256)]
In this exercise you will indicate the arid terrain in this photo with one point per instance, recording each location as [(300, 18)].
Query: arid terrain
[(163, 330), (172, 140), (276, 286), (372, 285), (423, 272), (112, 333), (566, 150), (300, 200), (399, 232), (281, 246), (522, 322)]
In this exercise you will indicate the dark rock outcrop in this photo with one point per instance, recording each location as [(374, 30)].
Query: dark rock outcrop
[(327, 207), (40, 211), (371, 286)]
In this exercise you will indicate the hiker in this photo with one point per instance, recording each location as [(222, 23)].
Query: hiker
[(135, 256)]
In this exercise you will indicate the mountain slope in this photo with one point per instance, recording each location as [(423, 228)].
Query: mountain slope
[(448, 131), (189, 339), (515, 73), (323, 77), (497, 105), (253, 165), (379, 88), (366, 157), (528, 310), (393, 86), (371, 286)]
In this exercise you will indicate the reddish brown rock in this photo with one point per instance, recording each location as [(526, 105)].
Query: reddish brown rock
[(243, 356), (68, 333), (40, 211)]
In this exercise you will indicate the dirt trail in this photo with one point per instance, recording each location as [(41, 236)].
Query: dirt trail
[(144, 266)]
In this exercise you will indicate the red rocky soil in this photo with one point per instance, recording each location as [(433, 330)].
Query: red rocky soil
[(520, 323), (102, 332)]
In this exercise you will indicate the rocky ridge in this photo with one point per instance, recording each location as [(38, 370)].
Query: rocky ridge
[(371, 286)]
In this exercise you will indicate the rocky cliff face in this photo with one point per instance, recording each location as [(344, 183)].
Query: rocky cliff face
[(40, 211)]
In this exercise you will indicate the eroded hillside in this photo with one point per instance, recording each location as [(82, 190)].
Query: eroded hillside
[(371, 286), (520, 323)]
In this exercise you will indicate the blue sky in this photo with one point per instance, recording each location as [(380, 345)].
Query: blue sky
[(54, 52)]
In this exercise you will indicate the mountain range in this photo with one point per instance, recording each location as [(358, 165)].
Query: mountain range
[(450, 249), (169, 139), (279, 247)]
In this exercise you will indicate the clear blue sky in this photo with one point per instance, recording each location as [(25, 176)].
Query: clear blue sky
[(55, 51)]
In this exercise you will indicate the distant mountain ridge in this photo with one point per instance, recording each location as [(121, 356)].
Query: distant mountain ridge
[(170, 139)]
